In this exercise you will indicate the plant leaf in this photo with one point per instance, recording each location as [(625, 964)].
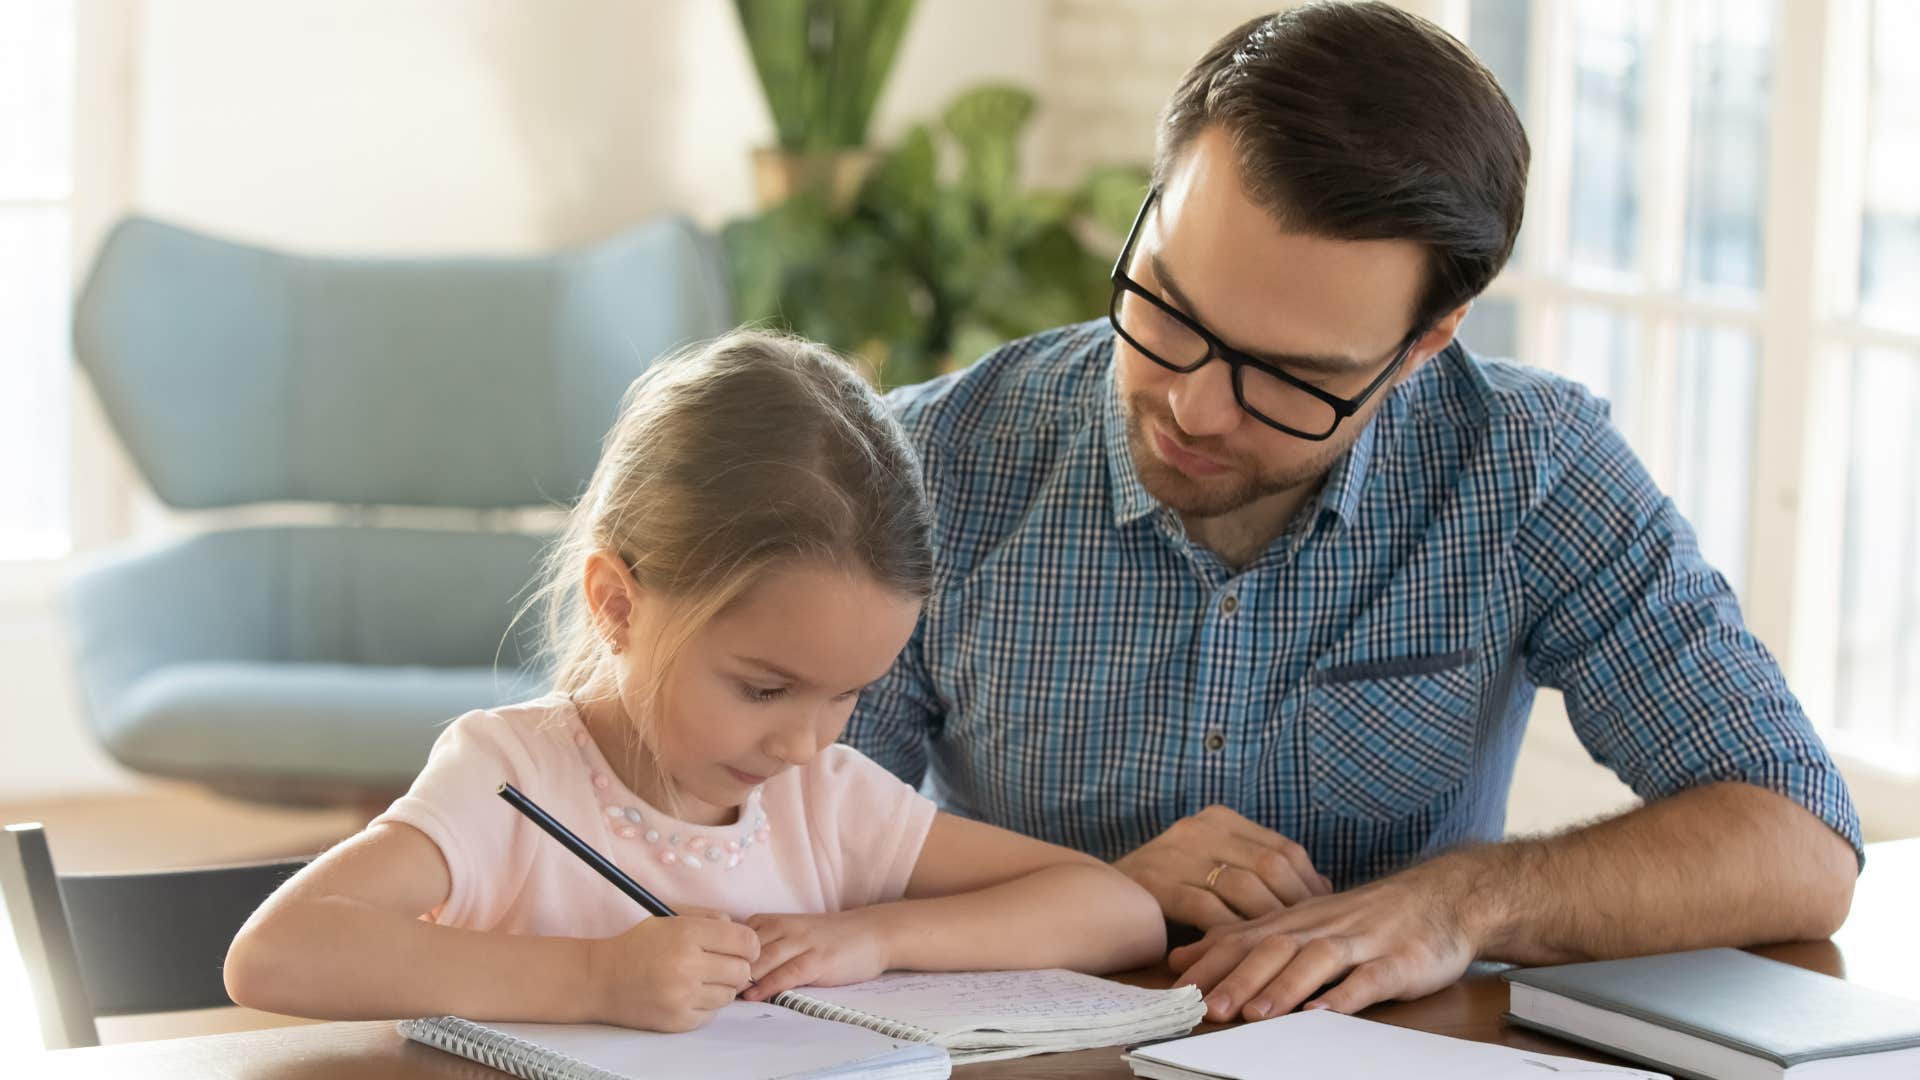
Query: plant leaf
[(986, 122), (1112, 195)]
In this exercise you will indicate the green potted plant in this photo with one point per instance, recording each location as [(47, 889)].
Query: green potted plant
[(940, 255), (821, 65)]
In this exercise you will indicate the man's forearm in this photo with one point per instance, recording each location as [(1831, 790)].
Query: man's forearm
[(1725, 864)]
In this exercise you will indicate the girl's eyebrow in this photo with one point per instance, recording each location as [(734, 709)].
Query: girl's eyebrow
[(779, 672), (774, 669)]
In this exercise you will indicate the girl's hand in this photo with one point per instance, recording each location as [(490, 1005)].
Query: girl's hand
[(670, 974), (815, 950)]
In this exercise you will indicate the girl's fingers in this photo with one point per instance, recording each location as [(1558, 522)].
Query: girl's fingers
[(797, 971), (710, 996), (728, 971), (772, 955), (728, 938)]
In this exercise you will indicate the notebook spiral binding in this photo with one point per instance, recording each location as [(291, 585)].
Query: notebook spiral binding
[(823, 1010), (509, 1054)]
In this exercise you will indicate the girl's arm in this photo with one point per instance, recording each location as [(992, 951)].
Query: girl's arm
[(343, 940), (979, 898)]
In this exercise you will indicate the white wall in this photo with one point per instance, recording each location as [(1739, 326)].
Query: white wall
[(419, 126), (487, 125)]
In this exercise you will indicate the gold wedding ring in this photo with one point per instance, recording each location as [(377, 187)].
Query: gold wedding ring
[(1214, 875)]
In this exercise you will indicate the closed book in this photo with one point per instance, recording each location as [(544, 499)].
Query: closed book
[(1723, 1014)]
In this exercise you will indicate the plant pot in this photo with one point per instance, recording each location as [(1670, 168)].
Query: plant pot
[(780, 174)]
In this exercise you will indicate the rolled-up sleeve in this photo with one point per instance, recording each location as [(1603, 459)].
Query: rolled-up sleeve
[(1664, 683)]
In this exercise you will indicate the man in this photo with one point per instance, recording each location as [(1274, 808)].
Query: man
[(1249, 586)]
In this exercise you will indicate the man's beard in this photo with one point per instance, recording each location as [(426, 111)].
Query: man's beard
[(1243, 484)]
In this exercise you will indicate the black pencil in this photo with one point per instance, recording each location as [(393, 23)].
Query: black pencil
[(581, 848), (592, 858)]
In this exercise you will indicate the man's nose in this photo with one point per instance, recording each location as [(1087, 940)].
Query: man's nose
[(1202, 401)]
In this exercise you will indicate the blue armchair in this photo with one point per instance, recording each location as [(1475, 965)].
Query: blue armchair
[(309, 663)]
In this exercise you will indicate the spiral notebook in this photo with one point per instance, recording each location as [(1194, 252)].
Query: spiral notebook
[(905, 1025)]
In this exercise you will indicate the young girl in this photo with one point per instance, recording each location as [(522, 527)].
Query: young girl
[(753, 550)]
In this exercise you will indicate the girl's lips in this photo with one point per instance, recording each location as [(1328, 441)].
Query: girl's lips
[(746, 778)]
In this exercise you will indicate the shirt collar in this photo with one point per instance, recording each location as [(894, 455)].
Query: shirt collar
[(1340, 495), (1130, 499)]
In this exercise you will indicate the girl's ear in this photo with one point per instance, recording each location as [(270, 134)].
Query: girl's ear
[(613, 597)]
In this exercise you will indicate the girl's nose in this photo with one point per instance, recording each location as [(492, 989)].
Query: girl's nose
[(794, 746)]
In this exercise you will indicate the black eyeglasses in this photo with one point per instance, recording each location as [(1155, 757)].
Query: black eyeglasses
[(1173, 340)]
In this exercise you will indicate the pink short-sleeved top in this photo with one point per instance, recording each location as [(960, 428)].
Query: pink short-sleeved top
[(839, 832)]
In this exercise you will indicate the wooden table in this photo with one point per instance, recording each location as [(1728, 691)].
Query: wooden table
[(1879, 947)]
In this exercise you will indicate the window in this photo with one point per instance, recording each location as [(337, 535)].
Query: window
[(1723, 240), (1878, 681), (36, 129), (1639, 267)]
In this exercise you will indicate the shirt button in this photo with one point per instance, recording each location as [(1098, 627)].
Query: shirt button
[(1229, 604), (1215, 740)]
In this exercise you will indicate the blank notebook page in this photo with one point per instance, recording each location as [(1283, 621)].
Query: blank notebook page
[(743, 1041), (1328, 1044)]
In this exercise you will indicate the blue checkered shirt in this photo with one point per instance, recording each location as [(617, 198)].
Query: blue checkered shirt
[(1086, 674)]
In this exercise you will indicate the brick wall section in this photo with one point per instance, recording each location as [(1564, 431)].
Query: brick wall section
[(1112, 65)]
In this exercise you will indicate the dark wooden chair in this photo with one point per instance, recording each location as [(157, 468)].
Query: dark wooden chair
[(121, 944)]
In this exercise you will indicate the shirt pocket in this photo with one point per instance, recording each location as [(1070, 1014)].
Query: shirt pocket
[(1388, 738)]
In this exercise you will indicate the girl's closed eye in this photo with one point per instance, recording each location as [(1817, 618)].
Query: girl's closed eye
[(761, 693), (774, 693)]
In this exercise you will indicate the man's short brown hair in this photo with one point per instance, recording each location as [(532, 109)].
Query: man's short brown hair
[(1359, 121)]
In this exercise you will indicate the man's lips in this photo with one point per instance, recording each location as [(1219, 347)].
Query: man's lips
[(1183, 459)]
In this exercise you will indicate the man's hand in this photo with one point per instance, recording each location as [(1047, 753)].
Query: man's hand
[(1723, 864), (1264, 873), (1402, 937)]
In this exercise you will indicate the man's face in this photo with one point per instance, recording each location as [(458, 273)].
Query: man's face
[(1332, 312)]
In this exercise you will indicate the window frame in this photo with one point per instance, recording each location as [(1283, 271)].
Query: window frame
[(103, 487), (1803, 319)]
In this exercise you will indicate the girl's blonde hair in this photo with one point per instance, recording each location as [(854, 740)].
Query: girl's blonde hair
[(727, 460)]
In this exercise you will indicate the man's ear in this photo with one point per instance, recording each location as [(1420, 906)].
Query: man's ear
[(1440, 335), (612, 597)]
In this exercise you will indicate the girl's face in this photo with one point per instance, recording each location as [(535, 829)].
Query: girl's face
[(766, 684)]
